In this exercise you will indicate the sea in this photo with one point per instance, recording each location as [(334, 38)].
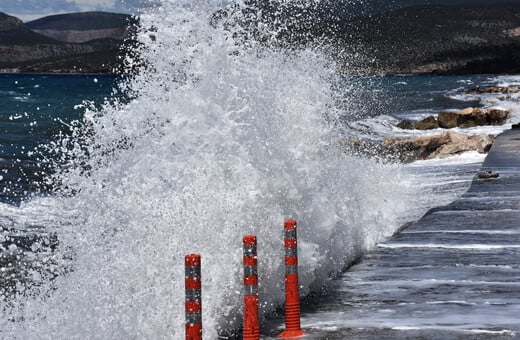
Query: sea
[(37, 109), (107, 182)]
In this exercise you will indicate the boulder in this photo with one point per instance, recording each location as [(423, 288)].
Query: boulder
[(465, 118), (470, 117), (442, 145), (409, 149), (423, 142), (447, 119), (405, 124), (497, 116), (483, 143), (467, 111), (427, 123), (460, 143)]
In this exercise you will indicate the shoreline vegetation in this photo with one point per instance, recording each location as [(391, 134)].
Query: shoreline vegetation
[(471, 39)]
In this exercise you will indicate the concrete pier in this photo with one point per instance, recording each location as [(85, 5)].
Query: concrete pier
[(454, 274)]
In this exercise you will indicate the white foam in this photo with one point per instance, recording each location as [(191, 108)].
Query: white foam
[(463, 158), (449, 246), (491, 332), (464, 231), (508, 80), (221, 140)]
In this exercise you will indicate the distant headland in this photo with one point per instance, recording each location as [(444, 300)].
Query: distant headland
[(469, 39), (88, 42)]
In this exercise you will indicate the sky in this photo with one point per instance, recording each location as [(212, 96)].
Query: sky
[(33, 9)]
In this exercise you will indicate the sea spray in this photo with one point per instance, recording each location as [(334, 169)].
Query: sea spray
[(222, 138)]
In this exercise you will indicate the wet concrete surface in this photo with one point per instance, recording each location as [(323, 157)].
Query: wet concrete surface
[(454, 274)]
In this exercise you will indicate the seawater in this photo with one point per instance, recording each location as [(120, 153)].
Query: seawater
[(212, 140), (36, 109)]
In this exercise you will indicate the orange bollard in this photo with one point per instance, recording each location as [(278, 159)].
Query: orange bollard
[(292, 297), (251, 321), (193, 302)]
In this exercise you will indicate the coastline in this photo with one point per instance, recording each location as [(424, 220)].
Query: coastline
[(61, 74), (350, 74)]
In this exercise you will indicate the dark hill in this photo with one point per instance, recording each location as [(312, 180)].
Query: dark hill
[(14, 32), (428, 39), (82, 21), (419, 39), (8, 22), (84, 27), (23, 36), (98, 50)]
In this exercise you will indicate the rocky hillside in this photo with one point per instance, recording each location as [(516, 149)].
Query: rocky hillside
[(463, 37), (469, 38), (85, 26), (71, 43), (428, 39), (8, 22)]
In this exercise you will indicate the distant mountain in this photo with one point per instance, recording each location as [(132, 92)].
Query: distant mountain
[(420, 39), (85, 26), (82, 21), (78, 42), (8, 22), (14, 32)]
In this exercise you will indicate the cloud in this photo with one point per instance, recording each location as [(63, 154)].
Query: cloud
[(134, 6), (37, 6), (93, 3), (127, 6), (89, 5), (31, 9)]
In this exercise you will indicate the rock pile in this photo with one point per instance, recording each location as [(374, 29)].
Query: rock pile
[(442, 145), (410, 149), (468, 117), (427, 123), (493, 89)]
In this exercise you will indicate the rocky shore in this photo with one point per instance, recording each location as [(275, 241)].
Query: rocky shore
[(441, 144), (465, 118)]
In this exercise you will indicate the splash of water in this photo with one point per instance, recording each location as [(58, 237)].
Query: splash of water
[(223, 137)]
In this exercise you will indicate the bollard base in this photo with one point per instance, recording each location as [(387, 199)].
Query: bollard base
[(291, 334)]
